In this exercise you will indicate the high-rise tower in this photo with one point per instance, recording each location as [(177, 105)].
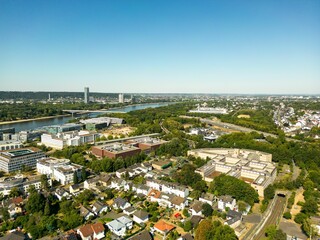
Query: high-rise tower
[(86, 95), (121, 98)]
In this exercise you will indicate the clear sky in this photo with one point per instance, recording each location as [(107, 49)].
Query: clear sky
[(161, 46)]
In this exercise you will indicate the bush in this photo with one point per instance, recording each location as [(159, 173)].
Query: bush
[(300, 217), (287, 215)]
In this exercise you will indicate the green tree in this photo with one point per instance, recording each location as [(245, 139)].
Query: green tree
[(75, 177), (47, 208), (83, 174), (5, 214), (187, 226), (287, 215), (207, 210), (44, 182), (36, 202), (228, 185), (14, 192), (269, 192)]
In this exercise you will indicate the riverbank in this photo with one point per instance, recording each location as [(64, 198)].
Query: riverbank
[(33, 119)]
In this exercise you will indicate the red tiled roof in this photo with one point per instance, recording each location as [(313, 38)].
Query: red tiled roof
[(163, 226), (98, 227), (17, 200), (86, 230), (154, 193)]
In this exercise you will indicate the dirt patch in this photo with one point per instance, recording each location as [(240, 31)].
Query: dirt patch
[(298, 198), (117, 131)]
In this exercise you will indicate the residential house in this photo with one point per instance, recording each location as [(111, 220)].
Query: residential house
[(195, 220), (207, 198), (233, 219), (16, 235), (226, 201), (186, 236), (92, 231), (178, 202), (14, 209), (117, 183), (121, 172), (61, 192), (140, 189), (196, 208), (120, 225), (76, 189), (168, 187), (129, 210), (70, 235), (144, 235), (120, 203), (140, 216), (86, 213), (162, 227), (99, 208)]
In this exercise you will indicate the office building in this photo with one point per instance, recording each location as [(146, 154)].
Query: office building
[(254, 167), (100, 122), (86, 95), (9, 145), (115, 150), (60, 170), (72, 138), (14, 160)]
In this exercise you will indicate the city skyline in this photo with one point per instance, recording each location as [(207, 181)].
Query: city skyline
[(270, 47)]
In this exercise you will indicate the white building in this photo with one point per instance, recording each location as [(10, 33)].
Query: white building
[(20, 182), (121, 98), (63, 139), (9, 145), (120, 225), (59, 169), (168, 187)]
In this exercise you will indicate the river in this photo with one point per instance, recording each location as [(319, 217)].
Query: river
[(34, 124)]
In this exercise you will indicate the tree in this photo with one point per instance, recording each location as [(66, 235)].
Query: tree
[(83, 174), (207, 210), (228, 185), (287, 215), (300, 217), (75, 177), (204, 227), (5, 214), (185, 213), (310, 206), (15, 192), (275, 234), (44, 182), (269, 192), (187, 226), (47, 208), (36, 202)]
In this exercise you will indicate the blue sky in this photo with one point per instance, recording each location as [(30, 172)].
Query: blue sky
[(161, 46)]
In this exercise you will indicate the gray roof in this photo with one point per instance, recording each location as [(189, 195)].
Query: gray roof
[(120, 201), (14, 236), (187, 236), (226, 198), (141, 214), (129, 209), (144, 235)]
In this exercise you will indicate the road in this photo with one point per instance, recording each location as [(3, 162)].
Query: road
[(272, 219)]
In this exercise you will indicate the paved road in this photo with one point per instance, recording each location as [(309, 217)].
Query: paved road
[(273, 218)]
